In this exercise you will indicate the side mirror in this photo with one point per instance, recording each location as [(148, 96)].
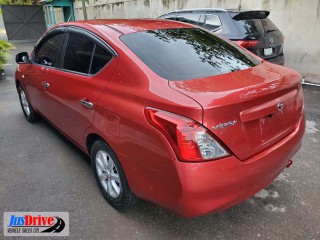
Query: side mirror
[(22, 58)]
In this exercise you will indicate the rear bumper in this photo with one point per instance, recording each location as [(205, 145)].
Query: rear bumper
[(217, 185), (277, 60)]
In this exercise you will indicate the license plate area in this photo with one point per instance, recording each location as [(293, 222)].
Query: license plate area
[(268, 51), (276, 125)]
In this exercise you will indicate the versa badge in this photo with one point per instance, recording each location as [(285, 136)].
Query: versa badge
[(223, 125)]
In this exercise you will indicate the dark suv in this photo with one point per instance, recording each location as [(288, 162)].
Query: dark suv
[(250, 29)]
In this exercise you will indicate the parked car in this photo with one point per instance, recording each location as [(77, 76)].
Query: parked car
[(167, 111), (252, 30)]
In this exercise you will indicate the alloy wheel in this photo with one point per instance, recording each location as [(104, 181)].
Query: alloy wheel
[(108, 174), (25, 103)]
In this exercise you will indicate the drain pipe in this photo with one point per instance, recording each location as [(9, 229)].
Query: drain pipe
[(84, 9)]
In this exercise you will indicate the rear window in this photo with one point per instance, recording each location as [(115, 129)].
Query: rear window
[(187, 53), (250, 28), (268, 25), (255, 28)]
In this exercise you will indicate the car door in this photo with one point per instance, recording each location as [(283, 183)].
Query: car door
[(45, 59), (87, 66)]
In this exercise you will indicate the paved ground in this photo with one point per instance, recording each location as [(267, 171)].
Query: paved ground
[(41, 171)]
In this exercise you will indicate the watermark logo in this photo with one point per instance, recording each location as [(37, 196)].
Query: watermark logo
[(36, 224)]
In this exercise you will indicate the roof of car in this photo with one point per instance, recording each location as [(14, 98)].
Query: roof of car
[(198, 10), (236, 10), (125, 26), (233, 10)]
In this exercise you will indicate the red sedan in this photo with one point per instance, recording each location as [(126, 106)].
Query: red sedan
[(167, 111)]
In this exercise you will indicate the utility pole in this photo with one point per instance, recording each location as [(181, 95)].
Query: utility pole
[(85, 17)]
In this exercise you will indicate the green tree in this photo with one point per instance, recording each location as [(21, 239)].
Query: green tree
[(16, 2)]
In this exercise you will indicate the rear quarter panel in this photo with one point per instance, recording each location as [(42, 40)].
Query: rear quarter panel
[(145, 155)]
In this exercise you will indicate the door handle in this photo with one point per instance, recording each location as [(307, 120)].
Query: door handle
[(86, 103), (45, 84)]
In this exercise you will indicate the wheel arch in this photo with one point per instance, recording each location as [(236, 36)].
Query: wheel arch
[(90, 139), (18, 83)]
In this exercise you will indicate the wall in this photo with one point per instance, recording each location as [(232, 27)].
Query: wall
[(299, 20), (58, 14)]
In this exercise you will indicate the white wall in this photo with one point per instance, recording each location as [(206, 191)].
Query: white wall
[(299, 20)]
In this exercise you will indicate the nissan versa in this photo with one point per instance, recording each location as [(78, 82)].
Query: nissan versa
[(167, 111)]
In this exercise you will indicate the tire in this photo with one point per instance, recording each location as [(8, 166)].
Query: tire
[(28, 111), (110, 176)]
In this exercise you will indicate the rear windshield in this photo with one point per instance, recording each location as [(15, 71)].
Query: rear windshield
[(187, 53), (268, 25), (255, 28), (250, 28)]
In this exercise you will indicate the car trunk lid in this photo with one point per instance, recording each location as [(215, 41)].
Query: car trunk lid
[(249, 110)]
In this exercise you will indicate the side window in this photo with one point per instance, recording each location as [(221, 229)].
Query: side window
[(202, 20), (213, 22), (189, 18), (101, 57), (169, 17), (78, 53), (48, 52)]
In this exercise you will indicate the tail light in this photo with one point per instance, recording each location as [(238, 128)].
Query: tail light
[(189, 139), (247, 43), (300, 100)]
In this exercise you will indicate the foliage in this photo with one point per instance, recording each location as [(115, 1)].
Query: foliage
[(4, 47), (16, 2)]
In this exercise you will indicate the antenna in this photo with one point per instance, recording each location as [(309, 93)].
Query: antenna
[(101, 9)]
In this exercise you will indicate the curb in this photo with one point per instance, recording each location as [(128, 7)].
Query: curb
[(304, 82)]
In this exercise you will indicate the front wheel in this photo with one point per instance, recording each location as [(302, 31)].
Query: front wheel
[(110, 176), (28, 111)]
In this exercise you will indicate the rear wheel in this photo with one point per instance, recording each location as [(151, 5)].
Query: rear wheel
[(110, 176), (28, 111)]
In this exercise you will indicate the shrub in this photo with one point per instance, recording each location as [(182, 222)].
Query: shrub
[(4, 47)]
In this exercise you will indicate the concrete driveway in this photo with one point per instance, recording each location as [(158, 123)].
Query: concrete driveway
[(42, 171)]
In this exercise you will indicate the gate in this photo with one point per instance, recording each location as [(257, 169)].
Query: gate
[(23, 22)]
